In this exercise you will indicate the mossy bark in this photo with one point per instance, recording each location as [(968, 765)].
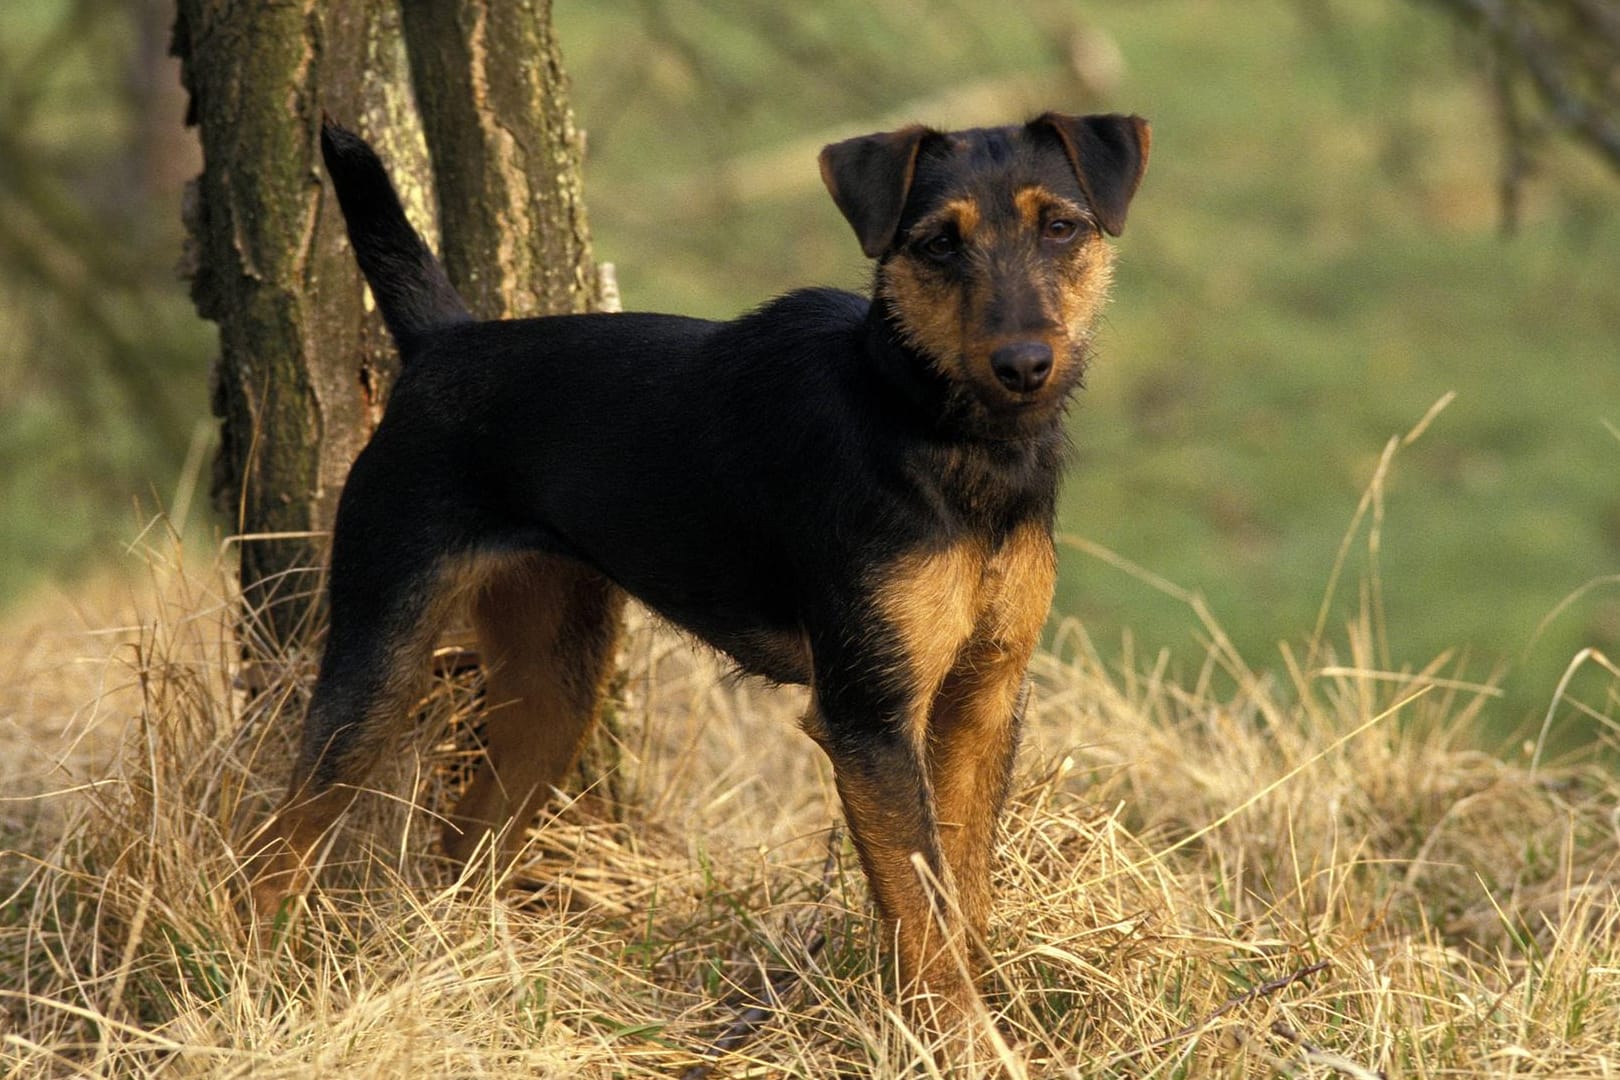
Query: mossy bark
[(304, 368)]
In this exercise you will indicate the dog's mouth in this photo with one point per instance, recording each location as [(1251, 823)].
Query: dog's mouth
[(987, 407), (1020, 405), (989, 411)]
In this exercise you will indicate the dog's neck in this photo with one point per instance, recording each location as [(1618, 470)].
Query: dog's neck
[(997, 479), (920, 388)]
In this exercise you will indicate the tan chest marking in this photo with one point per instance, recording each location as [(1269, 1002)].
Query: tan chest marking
[(944, 604)]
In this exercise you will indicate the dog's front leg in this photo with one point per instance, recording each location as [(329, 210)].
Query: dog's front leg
[(973, 732), (972, 741), (879, 665), (882, 778)]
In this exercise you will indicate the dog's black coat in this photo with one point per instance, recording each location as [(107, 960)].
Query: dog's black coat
[(739, 524), (739, 478)]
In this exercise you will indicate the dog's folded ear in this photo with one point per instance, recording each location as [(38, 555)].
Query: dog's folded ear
[(1109, 154), (869, 177)]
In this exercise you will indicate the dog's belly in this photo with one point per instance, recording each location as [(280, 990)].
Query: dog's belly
[(685, 554), (779, 652), (782, 656), (731, 598), (739, 616)]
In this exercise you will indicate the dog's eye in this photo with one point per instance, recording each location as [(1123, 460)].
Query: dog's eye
[(941, 246), (1060, 230)]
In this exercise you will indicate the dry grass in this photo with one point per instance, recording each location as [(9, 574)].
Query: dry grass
[(1310, 874)]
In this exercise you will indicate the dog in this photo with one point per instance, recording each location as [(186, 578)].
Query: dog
[(855, 494)]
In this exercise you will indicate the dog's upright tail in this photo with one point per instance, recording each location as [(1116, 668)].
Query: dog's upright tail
[(408, 282)]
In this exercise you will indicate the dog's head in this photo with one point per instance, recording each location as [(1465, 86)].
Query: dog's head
[(990, 249)]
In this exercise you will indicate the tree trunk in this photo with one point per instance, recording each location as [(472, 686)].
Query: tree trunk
[(304, 368), (506, 155)]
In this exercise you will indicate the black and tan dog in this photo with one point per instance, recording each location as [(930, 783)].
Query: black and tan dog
[(847, 493)]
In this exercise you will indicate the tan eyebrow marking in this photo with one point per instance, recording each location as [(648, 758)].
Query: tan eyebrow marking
[(966, 214), (1033, 200)]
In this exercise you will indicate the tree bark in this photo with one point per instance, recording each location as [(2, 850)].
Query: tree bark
[(506, 155), (304, 368)]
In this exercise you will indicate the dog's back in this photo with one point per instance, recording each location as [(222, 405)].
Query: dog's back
[(711, 469)]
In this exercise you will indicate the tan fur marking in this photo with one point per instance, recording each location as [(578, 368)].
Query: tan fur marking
[(1086, 278), (1019, 586), (972, 731), (932, 599), (547, 628), (284, 849), (929, 311), (889, 829), (965, 212), (1032, 202)]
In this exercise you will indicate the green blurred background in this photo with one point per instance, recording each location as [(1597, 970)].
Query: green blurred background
[(1317, 256)]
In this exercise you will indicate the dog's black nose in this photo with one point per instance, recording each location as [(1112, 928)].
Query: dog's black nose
[(1023, 366)]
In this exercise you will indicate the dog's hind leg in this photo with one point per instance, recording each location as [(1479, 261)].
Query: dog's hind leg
[(393, 577), (547, 627)]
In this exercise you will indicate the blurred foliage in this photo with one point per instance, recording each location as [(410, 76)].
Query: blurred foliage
[(102, 363), (1554, 68), (1315, 259)]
